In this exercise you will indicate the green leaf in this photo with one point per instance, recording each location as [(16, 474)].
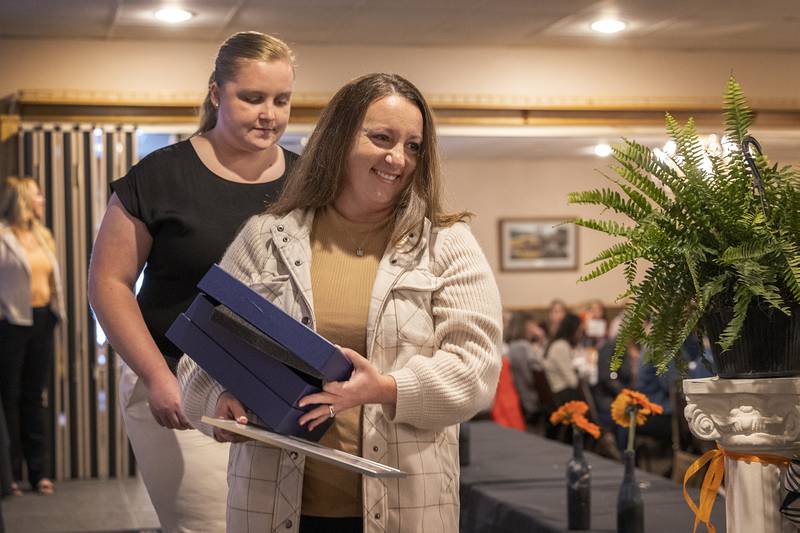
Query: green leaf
[(738, 115), (609, 227)]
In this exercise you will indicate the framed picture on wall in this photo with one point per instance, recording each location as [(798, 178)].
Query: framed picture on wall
[(537, 244)]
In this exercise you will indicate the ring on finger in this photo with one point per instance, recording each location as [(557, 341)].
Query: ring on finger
[(331, 410)]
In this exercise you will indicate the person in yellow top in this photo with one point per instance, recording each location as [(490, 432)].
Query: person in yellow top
[(359, 248), (31, 302)]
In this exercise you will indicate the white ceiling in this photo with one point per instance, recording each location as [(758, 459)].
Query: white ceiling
[(671, 24)]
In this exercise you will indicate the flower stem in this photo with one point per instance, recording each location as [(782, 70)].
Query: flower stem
[(631, 429)]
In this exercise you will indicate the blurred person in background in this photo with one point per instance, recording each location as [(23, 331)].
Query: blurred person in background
[(526, 341), (31, 303), (555, 314), (595, 323), (558, 365)]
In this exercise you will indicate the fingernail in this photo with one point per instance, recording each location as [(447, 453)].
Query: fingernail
[(242, 419)]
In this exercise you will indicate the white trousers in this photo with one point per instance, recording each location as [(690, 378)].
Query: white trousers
[(185, 472)]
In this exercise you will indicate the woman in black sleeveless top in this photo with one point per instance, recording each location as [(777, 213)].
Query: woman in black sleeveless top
[(174, 214)]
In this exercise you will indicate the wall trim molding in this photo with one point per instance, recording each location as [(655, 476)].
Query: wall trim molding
[(453, 109)]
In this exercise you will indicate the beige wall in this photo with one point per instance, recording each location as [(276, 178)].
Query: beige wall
[(495, 189), (499, 75)]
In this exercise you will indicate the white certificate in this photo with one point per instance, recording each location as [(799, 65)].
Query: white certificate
[(311, 449)]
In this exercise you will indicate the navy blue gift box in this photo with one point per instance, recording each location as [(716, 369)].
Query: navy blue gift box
[(263, 356)]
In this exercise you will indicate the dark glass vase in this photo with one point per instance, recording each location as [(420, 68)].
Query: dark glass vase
[(463, 444), (579, 487), (630, 507)]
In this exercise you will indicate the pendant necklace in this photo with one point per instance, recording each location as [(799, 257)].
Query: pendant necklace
[(361, 247)]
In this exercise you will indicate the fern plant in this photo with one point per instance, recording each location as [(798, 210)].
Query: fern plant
[(699, 237)]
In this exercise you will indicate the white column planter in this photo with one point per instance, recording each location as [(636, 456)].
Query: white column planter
[(750, 416)]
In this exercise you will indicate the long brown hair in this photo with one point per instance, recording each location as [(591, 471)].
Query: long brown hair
[(239, 46), (318, 175), (16, 209)]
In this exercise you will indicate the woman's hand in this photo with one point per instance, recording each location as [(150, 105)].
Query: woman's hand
[(164, 399), (229, 408), (366, 385)]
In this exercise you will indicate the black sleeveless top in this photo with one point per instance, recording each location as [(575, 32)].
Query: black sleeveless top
[(192, 215)]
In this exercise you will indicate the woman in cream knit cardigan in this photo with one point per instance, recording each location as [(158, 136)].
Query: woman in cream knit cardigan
[(359, 249)]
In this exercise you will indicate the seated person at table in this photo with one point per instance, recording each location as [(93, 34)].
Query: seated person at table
[(359, 248), (558, 365), (525, 338)]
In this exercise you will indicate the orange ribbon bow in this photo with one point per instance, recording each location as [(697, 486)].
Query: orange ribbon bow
[(713, 479)]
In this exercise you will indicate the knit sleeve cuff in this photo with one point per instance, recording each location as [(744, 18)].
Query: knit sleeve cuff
[(199, 392), (409, 398)]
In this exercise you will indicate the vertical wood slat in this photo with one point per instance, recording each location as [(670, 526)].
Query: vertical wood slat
[(131, 158), (52, 172), (96, 202)]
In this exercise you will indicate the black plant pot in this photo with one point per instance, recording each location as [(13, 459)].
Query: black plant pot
[(630, 507), (579, 487), (463, 443), (768, 347)]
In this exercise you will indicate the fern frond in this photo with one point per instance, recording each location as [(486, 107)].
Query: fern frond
[(620, 249), (759, 280), (738, 115), (609, 227), (630, 272), (635, 196), (630, 330), (747, 250), (609, 199), (604, 267), (741, 299), (637, 163)]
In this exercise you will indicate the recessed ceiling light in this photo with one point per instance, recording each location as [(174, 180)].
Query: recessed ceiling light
[(608, 25), (173, 15), (602, 150)]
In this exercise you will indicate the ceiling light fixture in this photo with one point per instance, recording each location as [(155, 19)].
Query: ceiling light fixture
[(173, 15), (602, 150), (608, 26)]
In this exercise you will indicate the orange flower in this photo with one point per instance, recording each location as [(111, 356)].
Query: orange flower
[(574, 412), (587, 427), (565, 413), (633, 400)]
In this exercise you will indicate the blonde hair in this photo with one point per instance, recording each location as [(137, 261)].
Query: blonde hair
[(318, 175), (16, 209), (238, 47)]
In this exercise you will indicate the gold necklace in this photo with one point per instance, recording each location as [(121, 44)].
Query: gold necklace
[(360, 248)]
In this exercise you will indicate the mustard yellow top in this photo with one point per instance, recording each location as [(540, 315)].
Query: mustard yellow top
[(341, 282), (41, 269)]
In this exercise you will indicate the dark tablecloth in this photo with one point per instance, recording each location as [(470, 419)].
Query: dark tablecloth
[(515, 482)]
